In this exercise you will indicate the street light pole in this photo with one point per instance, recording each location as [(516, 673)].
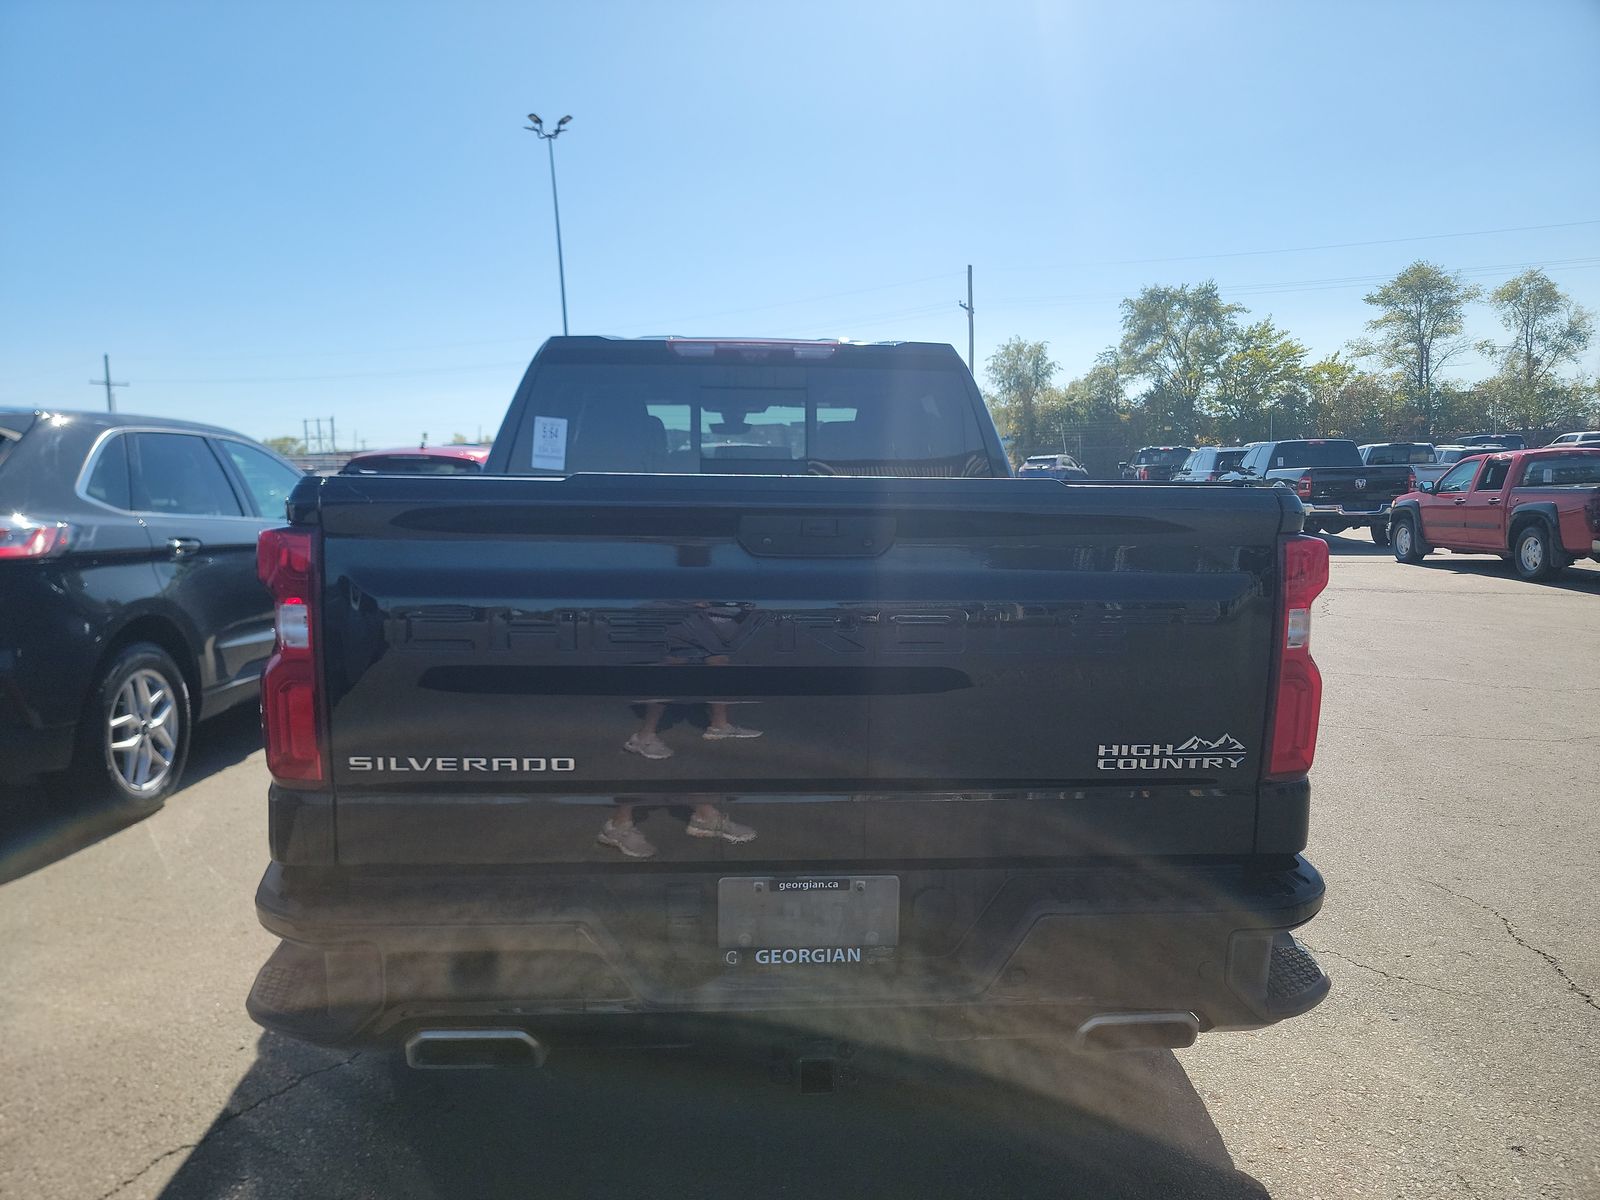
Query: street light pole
[(537, 127)]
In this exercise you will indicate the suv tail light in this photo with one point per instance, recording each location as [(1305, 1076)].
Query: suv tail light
[(1297, 701), (1411, 481), (1143, 473), (289, 701), (22, 538), (1211, 477), (1302, 487)]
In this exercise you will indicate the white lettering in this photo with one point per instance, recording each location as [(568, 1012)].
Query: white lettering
[(421, 765), (503, 764), (563, 764), (533, 764), (359, 763), (444, 764), (475, 764)]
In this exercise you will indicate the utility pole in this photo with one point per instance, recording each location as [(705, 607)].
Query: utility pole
[(107, 383), (971, 366), (536, 126), (333, 438)]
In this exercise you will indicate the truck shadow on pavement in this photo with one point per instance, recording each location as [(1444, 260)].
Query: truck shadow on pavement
[(1355, 545), (37, 828), (1577, 578), (1017, 1121)]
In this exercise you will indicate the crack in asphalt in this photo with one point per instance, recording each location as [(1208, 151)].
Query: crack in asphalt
[(1484, 737), (1511, 930), (1494, 684), (1380, 971), (227, 1118)]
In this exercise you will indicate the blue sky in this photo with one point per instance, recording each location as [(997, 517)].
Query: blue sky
[(266, 213)]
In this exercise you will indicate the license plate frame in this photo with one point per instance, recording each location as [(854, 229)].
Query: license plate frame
[(780, 912)]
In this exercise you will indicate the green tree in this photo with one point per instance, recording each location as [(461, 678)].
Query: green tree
[(285, 445), (1177, 338), (1326, 380), (1547, 331), (1418, 329), (1020, 372), (458, 439), (1261, 385)]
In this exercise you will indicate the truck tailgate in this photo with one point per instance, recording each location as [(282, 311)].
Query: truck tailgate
[(1357, 488), (948, 670)]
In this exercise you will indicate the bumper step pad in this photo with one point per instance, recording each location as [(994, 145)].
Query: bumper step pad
[(1295, 981)]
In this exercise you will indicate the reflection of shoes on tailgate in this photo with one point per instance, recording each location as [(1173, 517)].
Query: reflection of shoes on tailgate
[(626, 838), (647, 745), (720, 826), (717, 733)]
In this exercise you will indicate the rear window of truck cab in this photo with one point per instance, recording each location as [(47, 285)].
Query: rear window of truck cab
[(730, 418), (1315, 454)]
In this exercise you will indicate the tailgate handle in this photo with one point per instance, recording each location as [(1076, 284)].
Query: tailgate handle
[(782, 536)]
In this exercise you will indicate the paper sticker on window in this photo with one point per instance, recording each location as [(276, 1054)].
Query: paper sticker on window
[(550, 443)]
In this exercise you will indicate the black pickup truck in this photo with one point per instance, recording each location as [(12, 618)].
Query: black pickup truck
[(1338, 490), (747, 687)]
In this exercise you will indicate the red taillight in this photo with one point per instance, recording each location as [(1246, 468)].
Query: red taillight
[(1297, 706), (1302, 487), (289, 717), (1411, 481), (22, 538), (1211, 477), (1143, 473)]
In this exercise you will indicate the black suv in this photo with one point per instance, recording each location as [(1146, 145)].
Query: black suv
[(1155, 464), (129, 603), (1209, 464)]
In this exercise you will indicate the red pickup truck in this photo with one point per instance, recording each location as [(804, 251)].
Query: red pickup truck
[(1539, 508)]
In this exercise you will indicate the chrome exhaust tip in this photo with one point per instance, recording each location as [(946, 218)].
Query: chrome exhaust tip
[(1138, 1031), (466, 1049)]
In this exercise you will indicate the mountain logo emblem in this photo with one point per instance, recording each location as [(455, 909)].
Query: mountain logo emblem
[(1226, 744)]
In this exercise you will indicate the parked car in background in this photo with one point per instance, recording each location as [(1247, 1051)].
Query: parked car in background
[(1338, 490), (1209, 464), (1588, 438), (1539, 508), (129, 602), (1052, 466), (1445, 457), (420, 460), (1503, 441), (1155, 464), (1393, 454)]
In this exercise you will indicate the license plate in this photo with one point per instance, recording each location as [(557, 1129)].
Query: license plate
[(806, 913)]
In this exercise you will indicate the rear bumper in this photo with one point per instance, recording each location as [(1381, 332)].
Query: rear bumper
[(369, 958), (1380, 513)]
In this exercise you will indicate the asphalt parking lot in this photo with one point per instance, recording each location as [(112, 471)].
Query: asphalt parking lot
[(1458, 1055)]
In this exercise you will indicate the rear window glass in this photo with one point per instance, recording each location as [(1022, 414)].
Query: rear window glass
[(7, 440), (411, 464), (1401, 454), (1161, 458), (1315, 454), (1562, 470), (712, 418), (109, 482), (1228, 460)]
